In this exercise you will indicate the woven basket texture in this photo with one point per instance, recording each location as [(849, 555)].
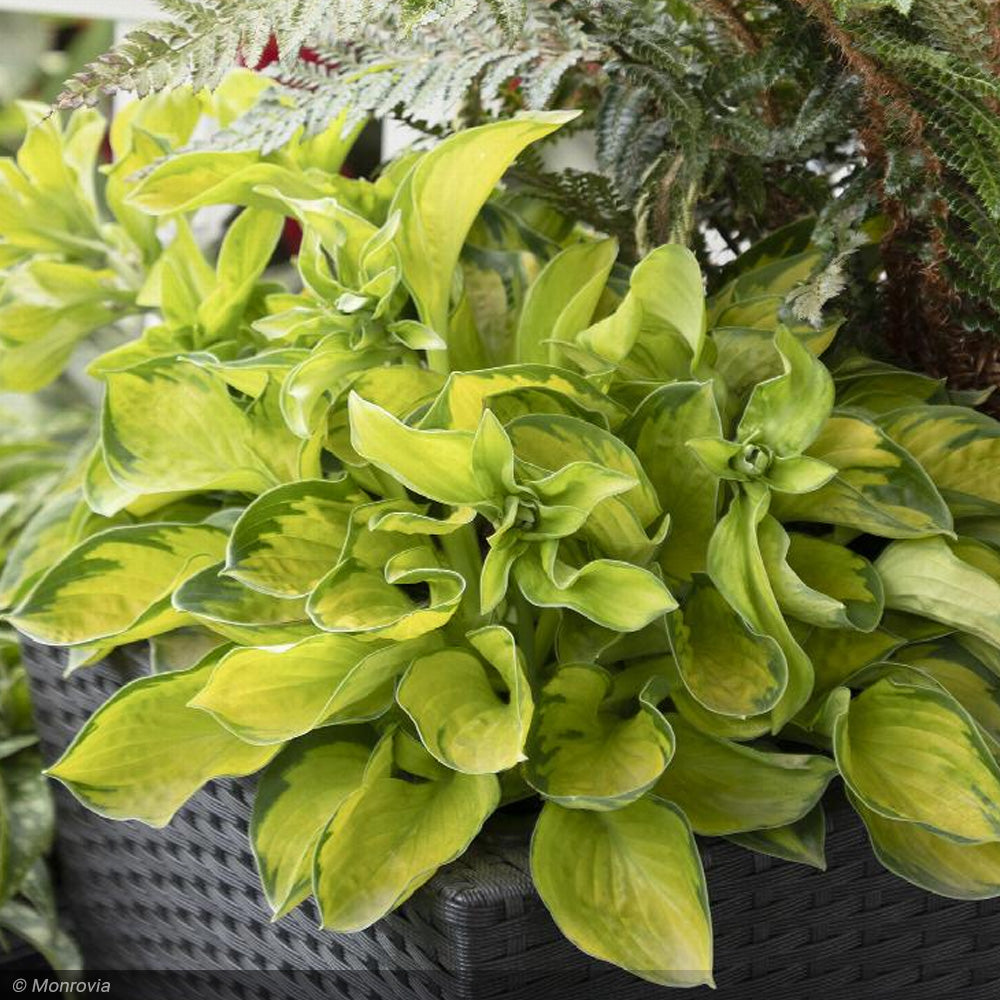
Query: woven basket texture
[(188, 899)]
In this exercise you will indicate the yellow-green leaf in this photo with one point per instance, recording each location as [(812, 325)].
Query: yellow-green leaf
[(725, 666), (627, 887), (144, 752), (912, 753), (879, 487), (107, 583), (926, 577), (658, 431), (442, 194), (272, 695), (937, 864), (296, 797), (590, 751), (958, 447), (472, 712), (366, 866), (726, 788), (289, 538)]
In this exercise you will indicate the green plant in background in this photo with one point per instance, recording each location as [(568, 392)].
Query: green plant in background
[(724, 118), (32, 464), (468, 514)]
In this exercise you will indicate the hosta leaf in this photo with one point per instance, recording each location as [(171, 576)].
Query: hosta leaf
[(614, 594), (246, 250), (442, 194), (144, 752), (57, 525), (726, 788), (836, 654), (586, 751), (879, 487), (973, 685), (437, 464), (171, 426), (658, 431), (243, 615), (820, 582), (107, 583), (272, 695), (958, 447), (802, 841), (472, 715), (736, 567), (788, 411), (937, 864), (460, 404), (618, 525), (364, 866), (289, 538), (725, 666), (296, 798), (355, 598), (561, 301), (925, 577), (912, 753), (192, 180), (627, 887)]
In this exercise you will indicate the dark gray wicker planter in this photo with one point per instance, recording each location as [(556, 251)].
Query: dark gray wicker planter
[(187, 899)]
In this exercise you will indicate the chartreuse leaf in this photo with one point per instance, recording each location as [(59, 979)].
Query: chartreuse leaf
[(472, 712), (787, 412), (912, 753), (355, 598), (460, 403), (836, 654), (224, 605), (171, 425), (364, 866), (273, 695), (587, 750), (618, 524), (627, 887), (193, 180), (726, 666), (963, 675), (821, 582), (958, 447), (289, 538), (687, 491), (937, 864), (442, 194), (802, 841), (245, 251), (109, 582), (562, 299), (144, 752), (611, 593), (296, 797), (437, 464), (879, 487), (726, 788), (736, 567), (926, 577)]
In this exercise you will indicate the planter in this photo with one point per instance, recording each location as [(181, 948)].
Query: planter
[(187, 898)]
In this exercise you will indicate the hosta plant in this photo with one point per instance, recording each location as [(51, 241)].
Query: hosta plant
[(466, 515)]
